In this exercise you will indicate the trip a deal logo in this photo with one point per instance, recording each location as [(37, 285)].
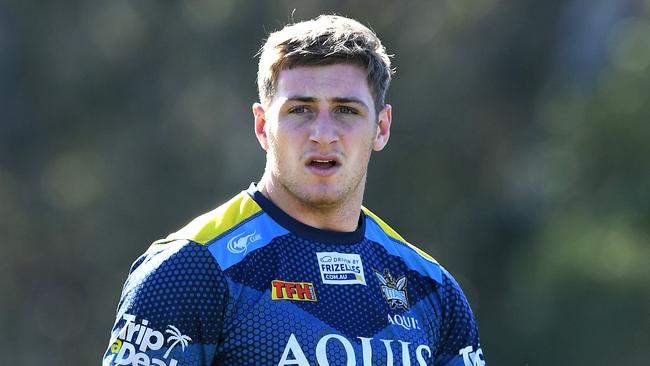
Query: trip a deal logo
[(341, 268), (137, 343)]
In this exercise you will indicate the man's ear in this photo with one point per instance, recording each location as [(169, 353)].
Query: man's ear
[(260, 125), (384, 119)]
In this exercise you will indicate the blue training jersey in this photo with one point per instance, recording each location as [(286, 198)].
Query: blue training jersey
[(246, 284)]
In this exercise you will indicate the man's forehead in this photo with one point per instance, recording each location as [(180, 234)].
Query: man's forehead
[(328, 82)]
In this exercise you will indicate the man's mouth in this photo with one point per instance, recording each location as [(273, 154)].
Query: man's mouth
[(323, 164)]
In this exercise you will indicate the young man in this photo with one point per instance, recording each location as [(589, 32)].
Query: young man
[(294, 271)]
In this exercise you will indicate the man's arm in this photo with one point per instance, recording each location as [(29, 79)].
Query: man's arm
[(460, 340), (171, 309)]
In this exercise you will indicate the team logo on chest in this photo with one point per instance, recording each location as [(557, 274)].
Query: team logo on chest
[(394, 290), (341, 268)]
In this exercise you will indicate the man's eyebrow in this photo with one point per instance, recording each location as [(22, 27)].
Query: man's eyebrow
[(346, 100), (300, 98)]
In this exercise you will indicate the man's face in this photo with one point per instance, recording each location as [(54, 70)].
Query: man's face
[(319, 131)]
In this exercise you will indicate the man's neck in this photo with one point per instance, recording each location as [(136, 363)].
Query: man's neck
[(341, 216)]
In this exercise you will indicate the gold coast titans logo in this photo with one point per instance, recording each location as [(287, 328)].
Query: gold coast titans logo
[(394, 290)]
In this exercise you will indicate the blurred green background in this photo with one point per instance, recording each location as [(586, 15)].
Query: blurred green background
[(519, 158)]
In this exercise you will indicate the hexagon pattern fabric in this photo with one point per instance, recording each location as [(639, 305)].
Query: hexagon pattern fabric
[(266, 289)]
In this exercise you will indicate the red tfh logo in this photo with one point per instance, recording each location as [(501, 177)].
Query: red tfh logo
[(298, 291)]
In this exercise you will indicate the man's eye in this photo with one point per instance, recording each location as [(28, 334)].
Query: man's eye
[(346, 110), (298, 109)]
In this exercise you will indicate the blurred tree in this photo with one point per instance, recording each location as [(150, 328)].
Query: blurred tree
[(517, 159)]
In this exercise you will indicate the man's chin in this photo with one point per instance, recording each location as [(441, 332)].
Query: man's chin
[(322, 201), (323, 198)]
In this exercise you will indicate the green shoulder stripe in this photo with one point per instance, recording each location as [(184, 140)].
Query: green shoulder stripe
[(214, 223)]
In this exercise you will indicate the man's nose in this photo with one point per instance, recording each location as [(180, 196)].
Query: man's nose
[(324, 130)]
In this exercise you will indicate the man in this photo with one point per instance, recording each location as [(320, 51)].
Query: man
[(294, 271)]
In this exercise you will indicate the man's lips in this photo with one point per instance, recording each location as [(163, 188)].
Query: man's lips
[(323, 165)]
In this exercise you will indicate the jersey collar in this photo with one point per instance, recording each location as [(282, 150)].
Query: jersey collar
[(303, 230)]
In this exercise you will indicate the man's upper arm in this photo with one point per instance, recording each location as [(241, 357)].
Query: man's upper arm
[(460, 339), (171, 308)]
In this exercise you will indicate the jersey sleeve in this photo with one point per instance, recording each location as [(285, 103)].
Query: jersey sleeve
[(171, 309), (459, 334)]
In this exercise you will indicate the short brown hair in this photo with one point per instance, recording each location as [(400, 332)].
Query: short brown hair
[(325, 40)]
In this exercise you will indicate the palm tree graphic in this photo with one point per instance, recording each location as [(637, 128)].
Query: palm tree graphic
[(177, 337)]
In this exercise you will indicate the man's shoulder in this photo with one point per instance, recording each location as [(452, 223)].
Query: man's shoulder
[(212, 224), (380, 232)]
